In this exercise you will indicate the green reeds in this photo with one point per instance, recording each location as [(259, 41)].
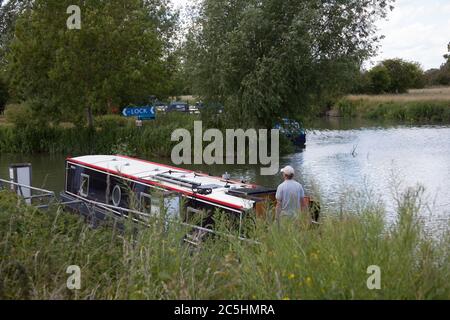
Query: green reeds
[(112, 134), (400, 111), (291, 261)]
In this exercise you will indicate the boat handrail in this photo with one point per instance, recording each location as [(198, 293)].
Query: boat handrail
[(118, 210), (178, 181), (47, 192)]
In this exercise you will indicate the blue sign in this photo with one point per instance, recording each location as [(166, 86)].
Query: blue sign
[(142, 113)]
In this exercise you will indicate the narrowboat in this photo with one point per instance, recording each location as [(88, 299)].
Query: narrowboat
[(112, 183), (115, 181)]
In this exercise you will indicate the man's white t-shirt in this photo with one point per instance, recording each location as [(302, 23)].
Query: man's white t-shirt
[(290, 194)]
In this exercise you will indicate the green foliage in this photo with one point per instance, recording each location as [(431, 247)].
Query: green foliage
[(361, 83), (110, 135), (290, 262), (380, 80), (438, 77), (269, 59), (447, 55), (441, 76), (398, 111), (404, 75), (347, 108), (4, 94), (110, 121), (117, 58), (393, 76), (9, 13), (18, 114), (178, 82)]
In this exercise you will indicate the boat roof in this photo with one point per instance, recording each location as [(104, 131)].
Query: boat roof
[(170, 178)]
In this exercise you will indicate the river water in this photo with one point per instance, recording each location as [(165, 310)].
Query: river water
[(341, 158)]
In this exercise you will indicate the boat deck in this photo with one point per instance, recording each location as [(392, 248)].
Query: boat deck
[(189, 183)]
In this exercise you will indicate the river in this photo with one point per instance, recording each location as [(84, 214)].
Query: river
[(341, 158)]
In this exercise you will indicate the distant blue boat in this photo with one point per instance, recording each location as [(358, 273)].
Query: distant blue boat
[(294, 131)]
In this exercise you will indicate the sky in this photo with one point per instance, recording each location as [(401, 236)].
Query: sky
[(416, 30)]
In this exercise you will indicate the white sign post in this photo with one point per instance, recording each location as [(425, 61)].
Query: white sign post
[(21, 174)]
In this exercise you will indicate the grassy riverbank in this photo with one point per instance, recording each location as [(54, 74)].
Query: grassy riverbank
[(290, 263), (417, 106), (112, 134)]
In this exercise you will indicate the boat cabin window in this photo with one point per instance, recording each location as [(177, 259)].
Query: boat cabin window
[(150, 203), (116, 196), (84, 185), (146, 203)]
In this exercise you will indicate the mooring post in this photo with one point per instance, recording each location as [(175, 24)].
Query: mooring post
[(21, 174)]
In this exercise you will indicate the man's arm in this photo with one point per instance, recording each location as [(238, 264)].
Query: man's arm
[(278, 208), (279, 204), (303, 200)]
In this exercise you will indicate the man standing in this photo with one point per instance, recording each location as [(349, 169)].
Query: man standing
[(290, 195)]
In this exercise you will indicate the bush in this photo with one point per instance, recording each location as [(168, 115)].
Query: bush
[(112, 121), (4, 95), (19, 114), (438, 77), (404, 75), (347, 108), (380, 80), (392, 76)]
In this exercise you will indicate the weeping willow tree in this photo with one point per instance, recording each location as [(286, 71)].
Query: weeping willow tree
[(268, 59)]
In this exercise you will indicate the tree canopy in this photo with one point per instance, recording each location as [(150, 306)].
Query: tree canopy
[(391, 76), (267, 59), (404, 75), (119, 56), (379, 80), (3, 94), (447, 55), (9, 13), (441, 76)]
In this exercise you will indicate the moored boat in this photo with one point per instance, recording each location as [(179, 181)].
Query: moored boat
[(112, 182)]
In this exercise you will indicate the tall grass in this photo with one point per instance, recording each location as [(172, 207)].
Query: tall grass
[(401, 111), (291, 261), (413, 95), (112, 134)]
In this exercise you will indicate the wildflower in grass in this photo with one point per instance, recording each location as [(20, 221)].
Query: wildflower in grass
[(308, 281), (286, 299), (291, 276)]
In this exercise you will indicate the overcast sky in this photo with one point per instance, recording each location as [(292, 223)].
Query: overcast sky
[(416, 30)]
